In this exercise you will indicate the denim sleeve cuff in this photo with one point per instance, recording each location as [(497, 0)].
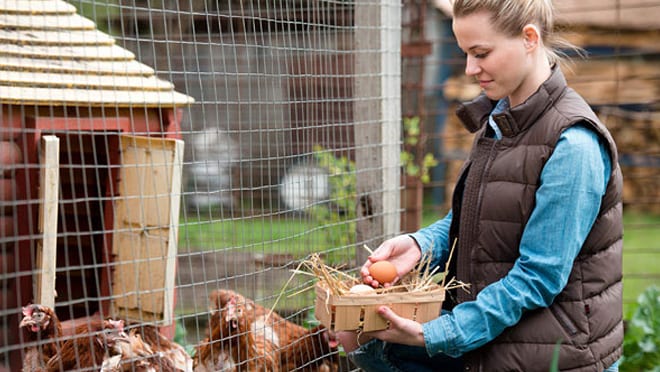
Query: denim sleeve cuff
[(439, 337), (423, 241)]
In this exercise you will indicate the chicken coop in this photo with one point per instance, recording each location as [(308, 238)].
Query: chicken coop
[(91, 156), (169, 166)]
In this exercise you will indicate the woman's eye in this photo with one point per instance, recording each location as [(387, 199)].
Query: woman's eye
[(481, 55)]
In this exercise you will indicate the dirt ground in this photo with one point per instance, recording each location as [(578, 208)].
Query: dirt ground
[(256, 276)]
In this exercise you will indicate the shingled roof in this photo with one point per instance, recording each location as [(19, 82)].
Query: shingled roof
[(50, 55)]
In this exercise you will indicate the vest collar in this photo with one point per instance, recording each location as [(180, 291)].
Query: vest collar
[(474, 114)]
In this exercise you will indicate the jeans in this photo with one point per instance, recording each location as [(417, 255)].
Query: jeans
[(378, 356)]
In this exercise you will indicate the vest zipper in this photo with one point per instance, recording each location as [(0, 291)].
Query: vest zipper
[(472, 192)]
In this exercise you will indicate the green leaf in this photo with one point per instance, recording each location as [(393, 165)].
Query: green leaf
[(554, 365), (641, 344)]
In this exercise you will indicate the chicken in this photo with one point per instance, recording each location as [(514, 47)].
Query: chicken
[(132, 353), (234, 342), (91, 344), (299, 347), (97, 343), (175, 353), (213, 353), (316, 351), (42, 331)]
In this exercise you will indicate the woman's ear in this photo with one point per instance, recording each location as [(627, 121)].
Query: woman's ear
[(531, 36)]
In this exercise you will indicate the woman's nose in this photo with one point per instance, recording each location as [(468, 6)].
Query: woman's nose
[(471, 66)]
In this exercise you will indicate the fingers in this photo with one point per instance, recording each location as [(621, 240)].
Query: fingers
[(383, 252), (400, 330), (387, 314)]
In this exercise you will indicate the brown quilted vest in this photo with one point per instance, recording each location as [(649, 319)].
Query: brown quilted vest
[(587, 315)]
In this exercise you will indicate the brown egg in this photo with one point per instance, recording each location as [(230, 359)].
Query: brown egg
[(383, 271)]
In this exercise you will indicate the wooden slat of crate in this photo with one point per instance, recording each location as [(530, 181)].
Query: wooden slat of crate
[(70, 66), (36, 7), (344, 312), (91, 52), (90, 98), (56, 37), (83, 81), (46, 22)]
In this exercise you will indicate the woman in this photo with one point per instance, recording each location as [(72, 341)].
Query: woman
[(536, 218)]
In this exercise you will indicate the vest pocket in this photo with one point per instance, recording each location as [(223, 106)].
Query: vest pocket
[(564, 320)]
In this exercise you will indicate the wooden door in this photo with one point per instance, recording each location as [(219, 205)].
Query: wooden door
[(146, 228)]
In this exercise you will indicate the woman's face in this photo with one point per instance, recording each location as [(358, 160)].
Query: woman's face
[(501, 64)]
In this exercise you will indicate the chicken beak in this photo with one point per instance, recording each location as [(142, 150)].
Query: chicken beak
[(26, 321)]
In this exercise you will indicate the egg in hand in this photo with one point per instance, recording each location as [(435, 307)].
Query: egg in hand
[(383, 272)]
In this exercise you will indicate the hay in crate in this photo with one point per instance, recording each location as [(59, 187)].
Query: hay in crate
[(418, 297)]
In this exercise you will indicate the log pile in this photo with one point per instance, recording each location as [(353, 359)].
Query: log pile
[(623, 92)]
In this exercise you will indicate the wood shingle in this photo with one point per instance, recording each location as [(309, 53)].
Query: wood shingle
[(50, 55)]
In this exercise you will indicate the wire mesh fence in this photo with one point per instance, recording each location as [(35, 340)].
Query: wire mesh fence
[(156, 154)]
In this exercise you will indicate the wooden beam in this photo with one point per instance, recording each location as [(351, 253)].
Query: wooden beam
[(173, 239), (49, 185), (377, 121)]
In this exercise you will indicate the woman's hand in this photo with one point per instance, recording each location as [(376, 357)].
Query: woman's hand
[(401, 330), (402, 251)]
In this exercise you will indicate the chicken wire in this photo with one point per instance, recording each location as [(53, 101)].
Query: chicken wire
[(281, 154), (169, 150)]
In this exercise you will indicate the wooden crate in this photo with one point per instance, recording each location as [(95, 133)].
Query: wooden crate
[(355, 312)]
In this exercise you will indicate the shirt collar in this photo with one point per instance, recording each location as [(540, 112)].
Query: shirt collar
[(501, 105)]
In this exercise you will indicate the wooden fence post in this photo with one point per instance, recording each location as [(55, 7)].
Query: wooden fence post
[(377, 121)]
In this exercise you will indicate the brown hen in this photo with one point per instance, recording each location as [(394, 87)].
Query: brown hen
[(133, 354), (300, 348), (91, 344), (42, 330), (235, 343), (159, 344)]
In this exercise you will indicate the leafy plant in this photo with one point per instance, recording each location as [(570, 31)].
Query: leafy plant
[(338, 215), (412, 165), (641, 344)]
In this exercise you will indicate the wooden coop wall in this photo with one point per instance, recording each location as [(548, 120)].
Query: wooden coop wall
[(89, 156)]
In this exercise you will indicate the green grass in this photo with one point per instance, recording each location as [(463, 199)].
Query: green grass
[(641, 252), (294, 236)]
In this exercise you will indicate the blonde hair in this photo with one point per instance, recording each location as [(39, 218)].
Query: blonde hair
[(510, 16)]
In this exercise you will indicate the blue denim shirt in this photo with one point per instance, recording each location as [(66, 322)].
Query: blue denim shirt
[(567, 203)]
